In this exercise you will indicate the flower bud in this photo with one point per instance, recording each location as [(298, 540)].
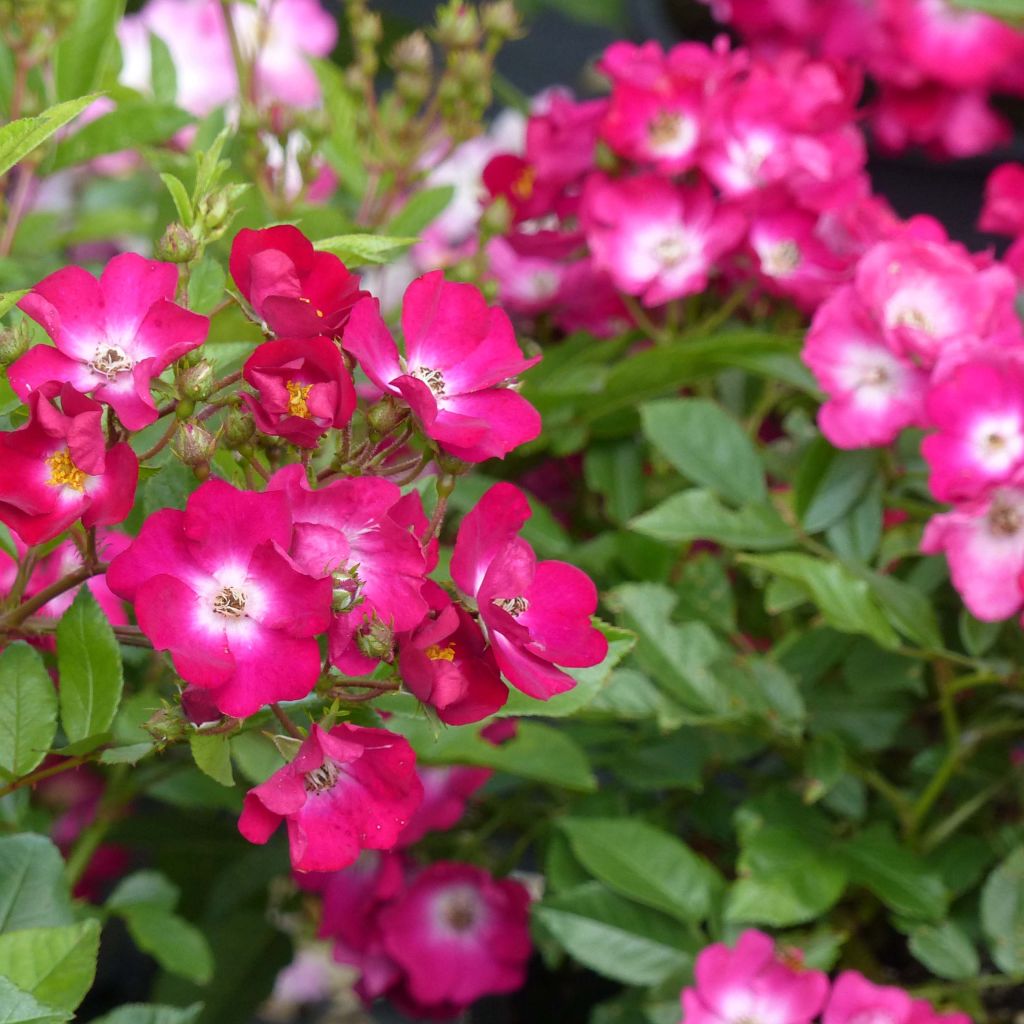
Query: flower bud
[(176, 245), (473, 68), (367, 29), (238, 428), (501, 19), (412, 54), (451, 465), (458, 26), (376, 640), (385, 415), (195, 382), (168, 725), (193, 444), (14, 342)]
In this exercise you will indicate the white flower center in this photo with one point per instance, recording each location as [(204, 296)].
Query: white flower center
[(671, 250), (998, 443), (781, 259), (434, 379), (230, 602), (110, 360), (1004, 519), (513, 605), (323, 778)]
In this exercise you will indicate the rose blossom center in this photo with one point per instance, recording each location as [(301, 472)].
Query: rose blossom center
[(460, 909), (323, 778), (513, 605), (781, 259), (63, 472), (434, 379), (669, 130), (110, 360), (230, 602), (671, 250), (297, 395), (1004, 518), (522, 187), (435, 652)]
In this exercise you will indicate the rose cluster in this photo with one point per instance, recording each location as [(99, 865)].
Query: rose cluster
[(927, 335), (935, 64), (704, 164), (756, 981), (432, 939), (319, 570)]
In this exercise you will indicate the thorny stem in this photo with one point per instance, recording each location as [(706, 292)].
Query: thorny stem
[(644, 322), (130, 636), (16, 209), (242, 71), (161, 444), (25, 567), (45, 773), (287, 724), (436, 519), (381, 454)]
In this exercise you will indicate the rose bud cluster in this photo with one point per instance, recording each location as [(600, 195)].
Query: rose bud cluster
[(936, 65), (927, 336), (705, 166), (432, 940), (755, 980), (307, 564)]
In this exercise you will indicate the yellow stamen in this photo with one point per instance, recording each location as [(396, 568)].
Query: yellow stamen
[(297, 395), (64, 473), (437, 653), (523, 185)]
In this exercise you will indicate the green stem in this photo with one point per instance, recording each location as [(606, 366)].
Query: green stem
[(118, 793), (643, 320)]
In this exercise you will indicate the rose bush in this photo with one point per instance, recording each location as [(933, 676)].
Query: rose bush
[(580, 554)]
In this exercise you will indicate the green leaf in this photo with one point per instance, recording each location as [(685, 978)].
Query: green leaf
[(616, 938), (255, 756), (19, 138), (130, 754), (895, 874), (87, 46), (857, 535), (176, 945), (1002, 913), (615, 470), (144, 887), (212, 755), (150, 1013), (829, 483), (909, 610), (644, 864), (360, 250), (163, 76), (589, 681), (128, 126), (538, 752), (91, 674), (28, 710), (206, 285), (707, 446), (977, 636), (699, 515), (1008, 10), (33, 888), (844, 600), (945, 950), (54, 965), (179, 195), (8, 300), (18, 1007), (420, 211), (787, 872), (677, 656)]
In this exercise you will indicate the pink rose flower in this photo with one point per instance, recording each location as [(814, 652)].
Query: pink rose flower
[(214, 586), (446, 790), (983, 541), (57, 468), (978, 411), (657, 240), (536, 614), (459, 355), (352, 534), (752, 982), (1003, 210), (348, 789), (458, 934), (113, 336), (304, 389), (855, 1000), (298, 291)]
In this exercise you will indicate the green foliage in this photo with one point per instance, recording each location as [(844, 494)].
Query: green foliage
[(21, 137), (28, 710)]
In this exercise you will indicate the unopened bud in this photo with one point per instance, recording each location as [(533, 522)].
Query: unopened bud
[(384, 416), (501, 19), (176, 245), (412, 54), (473, 68), (367, 29), (195, 382), (193, 444), (14, 342), (168, 725), (376, 640), (217, 210), (458, 26), (239, 426), (451, 465)]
